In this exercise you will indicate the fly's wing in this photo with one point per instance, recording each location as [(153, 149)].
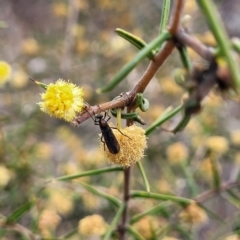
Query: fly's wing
[(111, 141)]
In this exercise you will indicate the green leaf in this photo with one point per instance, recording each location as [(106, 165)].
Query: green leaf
[(167, 114), (70, 234), (232, 197), (165, 14), (136, 41), (211, 214), (216, 174), (190, 179), (145, 180), (136, 235), (217, 27), (114, 222), (16, 215), (236, 44), (43, 85), (88, 173), (185, 58), (159, 208), (157, 42), (165, 197), (104, 195)]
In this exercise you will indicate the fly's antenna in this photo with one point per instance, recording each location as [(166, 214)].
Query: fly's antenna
[(86, 109)]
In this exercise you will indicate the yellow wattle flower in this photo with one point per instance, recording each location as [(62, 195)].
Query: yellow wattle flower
[(5, 72), (62, 100), (132, 141)]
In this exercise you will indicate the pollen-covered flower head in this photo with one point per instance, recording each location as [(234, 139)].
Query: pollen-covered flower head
[(132, 141), (62, 100)]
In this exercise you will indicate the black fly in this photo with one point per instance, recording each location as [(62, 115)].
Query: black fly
[(107, 134), (108, 138)]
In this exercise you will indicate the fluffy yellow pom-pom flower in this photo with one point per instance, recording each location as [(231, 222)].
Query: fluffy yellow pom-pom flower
[(62, 100), (5, 72), (92, 225), (132, 143)]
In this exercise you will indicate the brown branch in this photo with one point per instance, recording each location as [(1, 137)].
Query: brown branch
[(126, 198), (153, 67), (19, 228), (128, 98), (192, 42), (212, 192), (176, 17)]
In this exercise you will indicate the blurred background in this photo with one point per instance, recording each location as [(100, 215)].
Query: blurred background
[(75, 40)]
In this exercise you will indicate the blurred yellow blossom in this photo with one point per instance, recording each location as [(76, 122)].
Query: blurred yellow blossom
[(164, 186), (190, 6), (213, 100), (232, 237), (73, 168), (170, 87), (92, 225), (82, 46), (5, 176), (193, 214), (208, 119), (5, 72), (19, 79), (217, 144), (30, 46), (62, 100), (236, 158), (235, 137), (93, 157), (48, 221), (193, 55), (146, 226), (90, 201), (155, 111), (206, 167), (116, 44), (207, 38), (61, 201), (177, 153), (81, 4), (169, 238), (44, 150), (78, 30), (132, 141), (198, 140), (88, 91), (60, 9), (194, 127)]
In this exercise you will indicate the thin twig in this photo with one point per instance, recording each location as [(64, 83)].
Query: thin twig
[(21, 229), (212, 192)]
